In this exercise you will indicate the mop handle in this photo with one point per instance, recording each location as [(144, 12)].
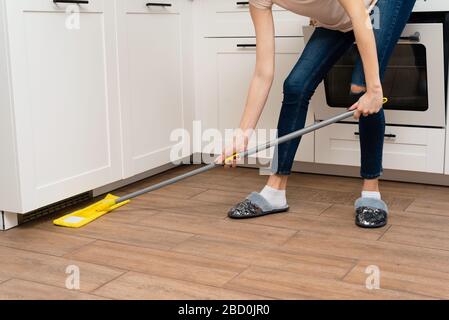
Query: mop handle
[(243, 154), (294, 135)]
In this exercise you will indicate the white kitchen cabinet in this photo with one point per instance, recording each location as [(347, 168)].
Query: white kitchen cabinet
[(154, 42), (446, 159), (223, 79), (59, 115), (231, 18), (406, 148)]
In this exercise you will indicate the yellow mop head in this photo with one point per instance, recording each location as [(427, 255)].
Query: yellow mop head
[(84, 216)]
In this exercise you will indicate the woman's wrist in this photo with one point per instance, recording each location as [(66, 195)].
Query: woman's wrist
[(243, 135), (374, 88)]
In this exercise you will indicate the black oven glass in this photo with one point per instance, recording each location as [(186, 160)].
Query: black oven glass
[(405, 81)]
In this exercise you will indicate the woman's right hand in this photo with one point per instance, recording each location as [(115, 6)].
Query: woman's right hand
[(238, 145)]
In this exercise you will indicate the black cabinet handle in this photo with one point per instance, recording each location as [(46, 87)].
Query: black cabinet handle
[(71, 1), (387, 135), (246, 45), (158, 4), (416, 37), (242, 3)]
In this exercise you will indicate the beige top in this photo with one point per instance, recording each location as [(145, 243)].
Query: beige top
[(325, 13)]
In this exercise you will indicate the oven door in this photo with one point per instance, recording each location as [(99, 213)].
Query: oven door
[(413, 82)]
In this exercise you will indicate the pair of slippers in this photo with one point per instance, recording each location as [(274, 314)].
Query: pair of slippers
[(369, 212)]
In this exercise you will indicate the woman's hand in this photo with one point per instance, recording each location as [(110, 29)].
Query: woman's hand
[(238, 145), (370, 103)]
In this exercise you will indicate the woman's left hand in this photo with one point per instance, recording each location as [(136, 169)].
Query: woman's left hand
[(370, 103)]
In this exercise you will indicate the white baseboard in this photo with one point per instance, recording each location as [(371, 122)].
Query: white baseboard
[(8, 220)]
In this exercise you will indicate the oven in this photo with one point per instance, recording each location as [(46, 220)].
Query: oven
[(415, 81)]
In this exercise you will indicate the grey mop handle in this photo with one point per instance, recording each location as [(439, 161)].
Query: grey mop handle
[(296, 134), (243, 154)]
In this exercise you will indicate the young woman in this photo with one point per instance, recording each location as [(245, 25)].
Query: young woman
[(339, 23)]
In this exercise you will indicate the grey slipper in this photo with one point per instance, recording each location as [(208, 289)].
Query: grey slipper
[(254, 206), (370, 213)]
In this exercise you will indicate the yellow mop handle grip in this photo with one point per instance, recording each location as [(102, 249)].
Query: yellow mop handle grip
[(231, 158)]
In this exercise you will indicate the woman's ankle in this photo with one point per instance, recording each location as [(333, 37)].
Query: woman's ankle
[(371, 185), (277, 182)]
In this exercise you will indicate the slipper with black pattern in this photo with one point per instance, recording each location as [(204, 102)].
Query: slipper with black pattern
[(371, 213), (254, 206)]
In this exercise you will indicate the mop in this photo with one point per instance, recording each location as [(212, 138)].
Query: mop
[(85, 216)]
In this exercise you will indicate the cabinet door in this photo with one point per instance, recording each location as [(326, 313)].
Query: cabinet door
[(64, 80), (151, 81), (222, 85), (406, 148)]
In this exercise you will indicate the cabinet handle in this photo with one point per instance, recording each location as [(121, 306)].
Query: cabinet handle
[(416, 37), (158, 4), (246, 45), (387, 135), (242, 3), (71, 1)]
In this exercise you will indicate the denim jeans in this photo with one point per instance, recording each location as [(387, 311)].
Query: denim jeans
[(323, 50)]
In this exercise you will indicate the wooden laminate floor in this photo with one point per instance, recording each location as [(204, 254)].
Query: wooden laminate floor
[(177, 243)]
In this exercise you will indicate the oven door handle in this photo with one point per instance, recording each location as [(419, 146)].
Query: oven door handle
[(416, 37)]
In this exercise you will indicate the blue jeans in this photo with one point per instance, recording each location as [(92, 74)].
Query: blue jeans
[(323, 50)]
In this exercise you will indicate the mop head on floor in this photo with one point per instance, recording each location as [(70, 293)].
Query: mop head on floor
[(85, 216)]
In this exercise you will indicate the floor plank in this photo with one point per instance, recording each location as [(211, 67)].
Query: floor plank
[(137, 235), (433, 193), (417, 237), (406, 278), (429, 207), (160, 263), (319, 224), (16, 289), (258, 255), (228, 198), (306, 207), (219, 228), (129, 214), (51, 270), (182, 206), (136, 286), (286, 285), (27, 237), (376, 251)]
